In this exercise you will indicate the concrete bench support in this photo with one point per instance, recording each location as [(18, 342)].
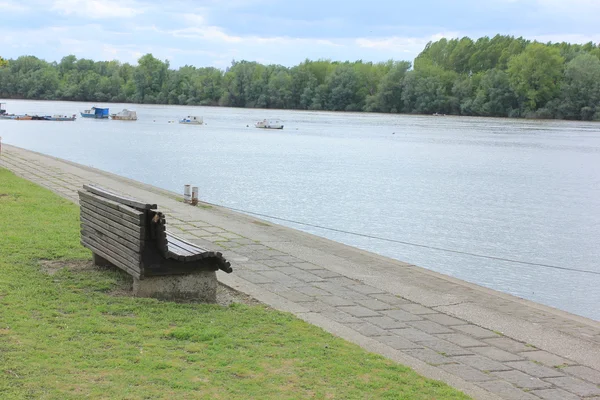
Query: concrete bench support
[(201, 286)]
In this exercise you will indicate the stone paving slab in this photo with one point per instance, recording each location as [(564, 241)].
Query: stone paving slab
[(576, 386), (433, 323)]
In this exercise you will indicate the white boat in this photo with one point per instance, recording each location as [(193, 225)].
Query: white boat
[(192, 120), (264, 124), (125, 115), (57, 117)]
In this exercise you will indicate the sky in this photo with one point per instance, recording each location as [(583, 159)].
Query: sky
[(213, 32)]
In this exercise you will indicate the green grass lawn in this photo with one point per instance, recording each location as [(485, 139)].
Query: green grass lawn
[(64, 336)]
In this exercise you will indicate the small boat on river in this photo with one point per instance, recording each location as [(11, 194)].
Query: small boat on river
[(192, 120), (125, 115), (4, 114), (61, 118), (264, 124), (95, 112)]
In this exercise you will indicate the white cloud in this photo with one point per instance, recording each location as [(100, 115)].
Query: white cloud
[(97, 9), (402, 44), (569, 38), (12, 6)]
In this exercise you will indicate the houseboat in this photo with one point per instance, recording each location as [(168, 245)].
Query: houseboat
[(125, 115), (95, 112)]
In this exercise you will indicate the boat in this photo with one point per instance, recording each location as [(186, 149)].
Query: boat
[(125, 115), (23, 117), (4, 114), (95, 112), (264, 124), (61, 118), (192, 120)]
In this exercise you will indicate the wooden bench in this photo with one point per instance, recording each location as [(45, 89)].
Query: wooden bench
[(132, 235)]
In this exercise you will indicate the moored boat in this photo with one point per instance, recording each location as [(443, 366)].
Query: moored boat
[(4, 114), (264, 124), (95, 112), (192, 120), (125, 115), (61, 118), (23, 117)]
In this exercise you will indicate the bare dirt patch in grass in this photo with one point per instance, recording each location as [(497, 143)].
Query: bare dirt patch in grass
[(123, 285)]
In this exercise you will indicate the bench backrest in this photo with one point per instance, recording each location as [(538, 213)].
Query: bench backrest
[(115, 227)]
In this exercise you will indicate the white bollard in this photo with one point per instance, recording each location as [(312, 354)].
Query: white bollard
[(186, 194), (194, 195)]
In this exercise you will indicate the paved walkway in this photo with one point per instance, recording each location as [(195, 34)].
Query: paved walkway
[(488, 344)]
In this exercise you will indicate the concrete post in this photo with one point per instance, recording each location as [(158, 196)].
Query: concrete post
[(194, 195), (186, 194)]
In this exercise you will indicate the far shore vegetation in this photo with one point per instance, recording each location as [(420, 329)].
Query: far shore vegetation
[(69, 330), (501, 76)]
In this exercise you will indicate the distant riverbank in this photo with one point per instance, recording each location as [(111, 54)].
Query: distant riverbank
[(501, 76)]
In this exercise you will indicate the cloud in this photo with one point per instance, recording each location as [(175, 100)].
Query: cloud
[(209, 33), (569, 38), (97, 9), (12, 6), (402, 44)]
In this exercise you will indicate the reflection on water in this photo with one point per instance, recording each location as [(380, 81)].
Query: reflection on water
[(517, 189)]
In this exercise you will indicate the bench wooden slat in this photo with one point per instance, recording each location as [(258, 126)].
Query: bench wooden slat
[(137, 231), (182, 243), (116, 234), (130, 201), (108, 255), (116, 217), (98, 203), (87, 229), (199, 253), (113, 204), (184, 250), (119, 250), (178, 249)]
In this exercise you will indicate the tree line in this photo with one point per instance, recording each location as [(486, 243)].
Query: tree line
[(501, 76)]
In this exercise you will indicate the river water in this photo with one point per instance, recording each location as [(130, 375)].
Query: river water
[(517, 189)]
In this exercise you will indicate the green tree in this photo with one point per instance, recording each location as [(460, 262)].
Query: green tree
[(388, 97), (342, 89), (535, 75), (494, 97), (581, 88), (428, 90), (150, 78)]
